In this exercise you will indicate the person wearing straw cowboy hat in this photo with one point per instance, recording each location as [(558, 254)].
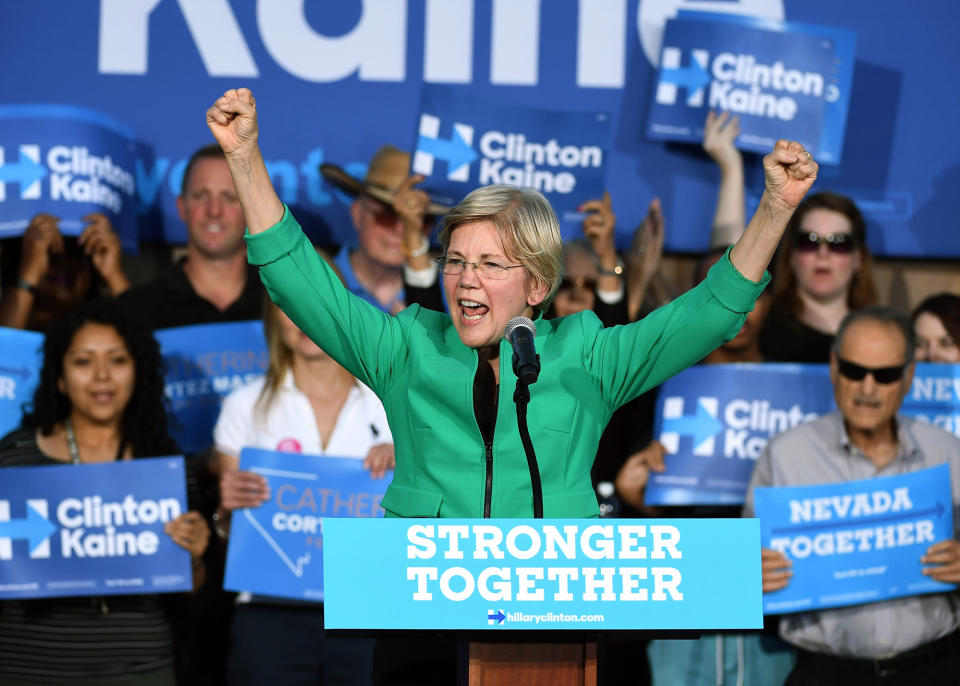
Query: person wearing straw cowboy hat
[(390, 261)]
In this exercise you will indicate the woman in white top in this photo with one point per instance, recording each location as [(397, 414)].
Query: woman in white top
[(306, 403)]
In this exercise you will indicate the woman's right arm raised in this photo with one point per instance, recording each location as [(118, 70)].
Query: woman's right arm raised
[(233, 121)]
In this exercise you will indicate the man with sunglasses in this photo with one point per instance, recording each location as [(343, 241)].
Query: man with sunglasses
[(900, 641), (389, 265)]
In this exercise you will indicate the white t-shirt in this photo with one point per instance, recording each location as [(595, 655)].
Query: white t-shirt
[(289, 424)]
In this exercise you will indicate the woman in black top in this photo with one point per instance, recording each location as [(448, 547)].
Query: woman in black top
[(824, 270), (99, 399)]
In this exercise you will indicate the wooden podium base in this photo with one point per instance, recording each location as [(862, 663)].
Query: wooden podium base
[(533, 664)]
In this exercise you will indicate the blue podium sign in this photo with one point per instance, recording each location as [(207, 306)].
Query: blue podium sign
[(66, 161), (203, 364), (858, 541), (542, 574), (20, 359), (465, 142), (92, 529), (784, 80), (715, 420), (275, 549)]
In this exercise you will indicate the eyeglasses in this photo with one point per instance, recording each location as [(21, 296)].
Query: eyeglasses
[(883, 375), (454, 266), (581, 282), (837, 243)]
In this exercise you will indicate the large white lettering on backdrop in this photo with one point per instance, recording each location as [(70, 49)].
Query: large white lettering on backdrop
[(376, 47)]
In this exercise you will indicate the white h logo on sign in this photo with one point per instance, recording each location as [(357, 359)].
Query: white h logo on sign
[(673, 409), (6, 544), (667, 89), (32, 190), (423, 160)]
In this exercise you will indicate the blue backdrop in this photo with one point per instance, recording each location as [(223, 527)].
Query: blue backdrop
[(336, 80)]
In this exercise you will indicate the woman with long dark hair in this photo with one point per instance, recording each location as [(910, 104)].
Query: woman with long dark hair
[(99, 399), (824, 270)]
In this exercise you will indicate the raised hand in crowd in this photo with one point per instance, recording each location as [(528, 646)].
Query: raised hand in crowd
[(598, 227), (411, 205), (643, 262), (776, 572), (719, 141), (631, 481), (51, 278), (102, 245), (41, 239), (379, 460), (945, 558)]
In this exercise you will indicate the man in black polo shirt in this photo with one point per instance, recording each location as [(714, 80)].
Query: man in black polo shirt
[(213, 283)]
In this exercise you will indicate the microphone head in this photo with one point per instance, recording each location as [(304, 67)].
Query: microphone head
[(520, 321)]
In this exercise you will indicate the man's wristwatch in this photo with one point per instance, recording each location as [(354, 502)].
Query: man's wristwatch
[(616, 271)]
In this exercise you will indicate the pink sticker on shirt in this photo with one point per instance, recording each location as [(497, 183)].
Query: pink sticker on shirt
[(289, 445)]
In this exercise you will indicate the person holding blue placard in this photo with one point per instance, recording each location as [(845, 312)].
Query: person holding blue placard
[(906, 640), (100, 399), (305, 403), (46, 273)]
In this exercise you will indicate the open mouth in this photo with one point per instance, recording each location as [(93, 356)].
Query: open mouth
[(471, 310), (214, 228), (103, 397)]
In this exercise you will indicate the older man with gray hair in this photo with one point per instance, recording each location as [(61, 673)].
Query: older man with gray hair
[(901, 641)]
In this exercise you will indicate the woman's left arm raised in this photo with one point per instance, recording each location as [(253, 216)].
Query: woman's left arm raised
[(789, 172)]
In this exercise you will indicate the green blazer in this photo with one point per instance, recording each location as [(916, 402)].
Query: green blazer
[(424, 374)]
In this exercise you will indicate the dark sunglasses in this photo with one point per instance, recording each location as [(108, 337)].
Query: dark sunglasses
[(588, 284), (837, 243), (382, 213), (883, 375)]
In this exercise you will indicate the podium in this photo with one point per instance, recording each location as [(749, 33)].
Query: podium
[(530, 599), (532, 664)]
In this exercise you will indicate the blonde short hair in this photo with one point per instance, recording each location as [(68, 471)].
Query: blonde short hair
[(526, 224)]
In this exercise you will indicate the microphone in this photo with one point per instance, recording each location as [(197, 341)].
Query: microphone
[(526, 363)]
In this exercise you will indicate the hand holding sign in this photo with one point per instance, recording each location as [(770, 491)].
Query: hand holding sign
[(190, 532), (41, 238), (379, 460), (946, 556), (102, 244), (240, 488), (233, 121), (789, 172), (719, 139), (776, 570)]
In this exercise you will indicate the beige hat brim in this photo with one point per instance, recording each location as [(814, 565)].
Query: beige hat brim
[(353, 186)]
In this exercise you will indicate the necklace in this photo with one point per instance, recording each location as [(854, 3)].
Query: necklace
[(72, 443)]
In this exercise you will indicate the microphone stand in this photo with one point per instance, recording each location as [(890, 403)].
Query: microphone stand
[(521, 396)]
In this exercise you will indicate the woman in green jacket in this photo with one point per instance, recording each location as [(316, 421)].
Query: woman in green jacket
[(446, 381)]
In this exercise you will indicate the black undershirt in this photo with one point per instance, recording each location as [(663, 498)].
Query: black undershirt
[(485, 392)]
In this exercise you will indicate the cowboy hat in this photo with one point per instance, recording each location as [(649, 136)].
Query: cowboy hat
[(389, 167)]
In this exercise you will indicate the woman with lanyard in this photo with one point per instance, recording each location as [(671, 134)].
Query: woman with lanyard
[(446, 380), (99, 399)]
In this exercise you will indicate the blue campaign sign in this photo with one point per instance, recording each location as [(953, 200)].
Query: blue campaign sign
[(934, 396), (840, 84), (542, 574), (20, 359), (858, 541), (715, 420), (67, 161), (203, 364), (276, 549), (92, 529), (777, 77), (465, 142)]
